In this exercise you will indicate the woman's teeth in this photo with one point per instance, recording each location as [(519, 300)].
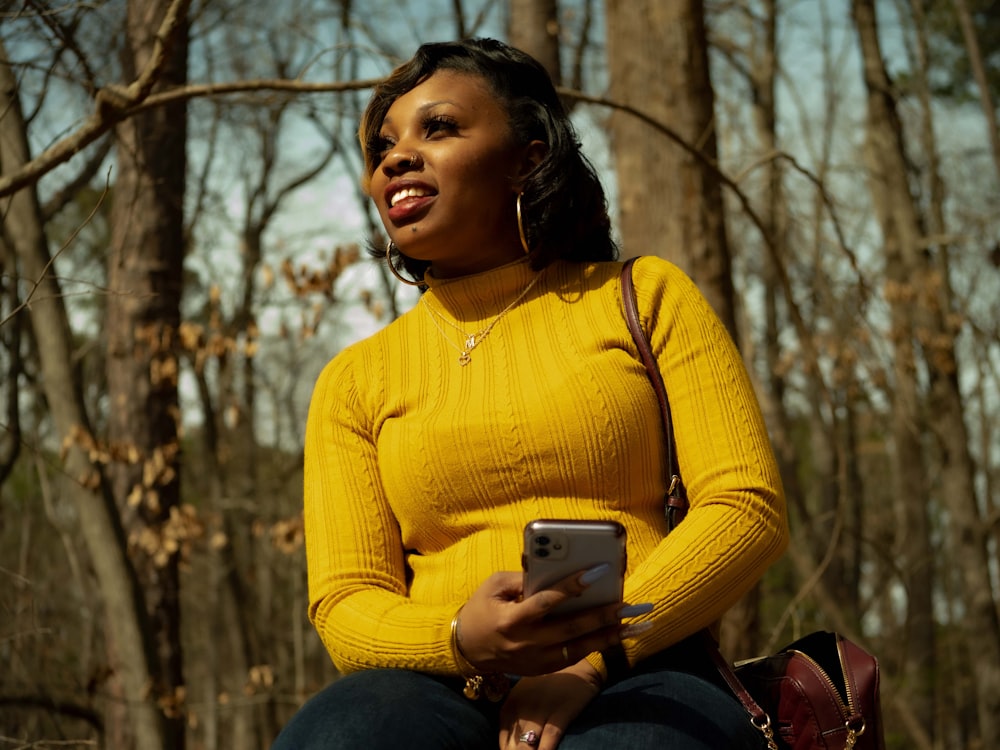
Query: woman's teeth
[(407, 193)]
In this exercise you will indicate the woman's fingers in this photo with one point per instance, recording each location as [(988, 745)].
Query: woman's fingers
[(578, 625), (569, 587), (497, 631)]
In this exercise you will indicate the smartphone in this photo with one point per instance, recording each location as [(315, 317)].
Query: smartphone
[(555, 549)]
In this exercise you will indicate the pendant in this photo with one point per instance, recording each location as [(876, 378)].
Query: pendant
[(470, 342), (464, 358)]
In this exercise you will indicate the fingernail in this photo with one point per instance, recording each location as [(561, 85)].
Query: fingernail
[(634, 610), (594, 574), (636, 628)]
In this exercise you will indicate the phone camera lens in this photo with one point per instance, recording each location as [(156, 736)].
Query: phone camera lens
[(541, 541), (541, 552)]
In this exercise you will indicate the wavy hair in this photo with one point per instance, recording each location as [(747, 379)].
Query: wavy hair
[(564, 207)]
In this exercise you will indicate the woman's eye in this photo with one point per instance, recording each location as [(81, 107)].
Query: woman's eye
[(379, 146), (440, 124)]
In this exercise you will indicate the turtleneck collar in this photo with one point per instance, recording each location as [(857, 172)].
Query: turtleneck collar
[(480, 296)]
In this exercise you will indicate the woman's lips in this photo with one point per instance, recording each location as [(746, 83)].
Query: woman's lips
[(406, 209)]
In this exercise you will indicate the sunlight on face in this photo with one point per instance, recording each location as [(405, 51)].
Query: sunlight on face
[(447, 175)]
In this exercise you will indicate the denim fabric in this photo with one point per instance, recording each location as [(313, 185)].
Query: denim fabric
[(389, 709), (656, 706), (663, 710)]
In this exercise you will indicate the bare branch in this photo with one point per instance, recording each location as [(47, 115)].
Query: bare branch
[(108, 115), (51, 261), (68, 191), (53, 705), (114, 104)]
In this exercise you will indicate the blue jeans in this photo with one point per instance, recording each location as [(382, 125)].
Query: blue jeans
[(660, 705)]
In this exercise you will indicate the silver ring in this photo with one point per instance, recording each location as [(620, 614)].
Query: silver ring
[(529, 738), (565, 654)]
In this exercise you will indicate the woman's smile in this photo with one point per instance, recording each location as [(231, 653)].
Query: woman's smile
[(406, 200), (447, 175)]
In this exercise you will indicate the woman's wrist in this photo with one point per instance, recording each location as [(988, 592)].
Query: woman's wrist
[(465, 667), (493, 686), (588, 673)]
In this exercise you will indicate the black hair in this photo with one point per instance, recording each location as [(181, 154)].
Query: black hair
[(564, 208)]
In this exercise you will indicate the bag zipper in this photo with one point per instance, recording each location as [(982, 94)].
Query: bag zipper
[(853, 732), (850, 710)]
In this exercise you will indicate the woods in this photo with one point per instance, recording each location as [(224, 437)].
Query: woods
[(182, 251)]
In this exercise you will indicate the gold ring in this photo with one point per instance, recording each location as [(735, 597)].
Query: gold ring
[(565, 654)]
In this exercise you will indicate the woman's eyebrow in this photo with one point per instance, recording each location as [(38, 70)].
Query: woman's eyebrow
[(426, 107), (432, 105)]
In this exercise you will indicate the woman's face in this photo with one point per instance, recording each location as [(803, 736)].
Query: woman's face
[(448, 174)]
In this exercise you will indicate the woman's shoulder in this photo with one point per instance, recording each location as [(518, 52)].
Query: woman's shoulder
[(653, 269), (660, 278), (362, 361), (646, 266), (651, 276)]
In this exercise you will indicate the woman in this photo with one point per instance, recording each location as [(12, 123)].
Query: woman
[(512, 392)]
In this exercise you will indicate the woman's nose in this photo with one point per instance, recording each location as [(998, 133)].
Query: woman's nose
[(402, 160)]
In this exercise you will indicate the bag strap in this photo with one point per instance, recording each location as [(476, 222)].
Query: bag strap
[(676, 503), (675, 500)]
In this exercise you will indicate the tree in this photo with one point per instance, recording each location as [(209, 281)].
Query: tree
[(979, 72), (658, 63), (142, 323), (82, 477), (921, 311), (534, 28)]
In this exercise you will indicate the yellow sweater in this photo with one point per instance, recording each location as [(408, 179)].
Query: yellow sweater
[(420, 474)]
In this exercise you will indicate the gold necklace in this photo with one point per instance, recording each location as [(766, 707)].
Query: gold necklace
[(472, 340)]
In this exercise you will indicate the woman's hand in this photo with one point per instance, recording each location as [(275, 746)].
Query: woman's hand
[(545, 706), (500, 632)]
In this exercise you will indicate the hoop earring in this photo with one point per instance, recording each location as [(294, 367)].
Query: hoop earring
[(520, 227), (392, 266)]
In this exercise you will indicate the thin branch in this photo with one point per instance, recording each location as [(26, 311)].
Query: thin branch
[(51, 261), (113, 105), (53, 705), (67, 192), (107, 115)]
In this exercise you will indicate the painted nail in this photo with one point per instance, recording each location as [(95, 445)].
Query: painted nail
[(634, 610), (636, 628), (595, 574)]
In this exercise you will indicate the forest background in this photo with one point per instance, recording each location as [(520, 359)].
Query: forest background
[(180, 254)]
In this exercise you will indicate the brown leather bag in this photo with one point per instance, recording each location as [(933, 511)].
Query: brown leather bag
[(819, 693)]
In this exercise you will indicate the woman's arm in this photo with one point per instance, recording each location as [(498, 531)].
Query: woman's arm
[(737, 526), (356, 567)]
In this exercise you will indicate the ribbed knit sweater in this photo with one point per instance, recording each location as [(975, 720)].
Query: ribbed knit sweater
[(421, 473)]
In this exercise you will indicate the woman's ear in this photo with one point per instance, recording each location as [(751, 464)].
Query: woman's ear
[(532, 156)]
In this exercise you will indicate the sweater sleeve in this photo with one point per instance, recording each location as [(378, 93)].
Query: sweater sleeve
[(736, 526), (357, 571)]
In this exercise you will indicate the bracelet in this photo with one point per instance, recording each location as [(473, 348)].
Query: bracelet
[(494, 686)]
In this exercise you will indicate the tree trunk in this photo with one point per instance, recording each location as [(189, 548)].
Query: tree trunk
[(900, 234), (143, 314), (741, 628), (658, 64), (11, 330), (927, 702), (534, 28), (978, 66), (919, 312), (82, 480)]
